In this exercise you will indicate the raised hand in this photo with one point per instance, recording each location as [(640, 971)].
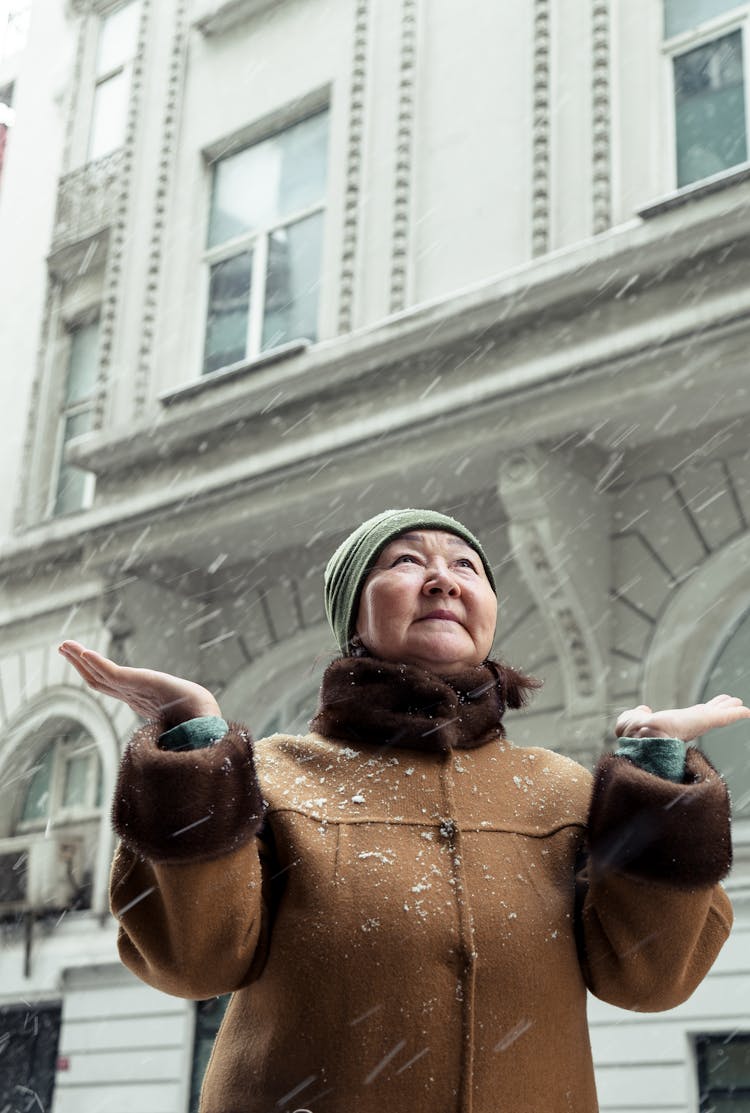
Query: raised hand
[(686, 723), (153, 695)]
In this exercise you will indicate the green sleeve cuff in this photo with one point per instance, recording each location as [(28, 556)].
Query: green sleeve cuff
[(195, 734), (664, 757)]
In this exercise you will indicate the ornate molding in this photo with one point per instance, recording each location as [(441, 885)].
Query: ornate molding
[(354, 157), (540, 188), (601, 122), (404, 147), (159, 220), (24, 512), (544, 571), (118, 235)]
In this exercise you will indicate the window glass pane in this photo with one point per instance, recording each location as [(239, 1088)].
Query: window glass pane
[(683, 15), (37, 801), (727, 1063), (117, 38), (273, 179), (728, 748), (292, 282), (228, 308), (110, 115), (73, 483), (303, 157), (82, 363), (710, 109), (75, 789)]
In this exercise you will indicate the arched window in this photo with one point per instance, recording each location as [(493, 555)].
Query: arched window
[(729, 748), (65, 781), (51, 828)]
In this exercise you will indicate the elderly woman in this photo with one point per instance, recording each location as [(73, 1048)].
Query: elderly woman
[(407, 907)]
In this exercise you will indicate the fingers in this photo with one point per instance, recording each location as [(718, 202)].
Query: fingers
[(632, 722), (74, 653)]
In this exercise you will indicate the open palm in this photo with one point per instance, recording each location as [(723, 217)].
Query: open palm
[(151, 694), (686, 723)]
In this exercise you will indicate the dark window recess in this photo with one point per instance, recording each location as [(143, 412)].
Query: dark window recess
[(724, 1072), (208, 1018), (28, 1051)]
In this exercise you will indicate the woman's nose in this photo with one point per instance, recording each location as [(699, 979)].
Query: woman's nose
[(439, 581)]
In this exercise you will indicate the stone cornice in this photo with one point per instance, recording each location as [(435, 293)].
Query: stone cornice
[(565, 287), (506, 373)]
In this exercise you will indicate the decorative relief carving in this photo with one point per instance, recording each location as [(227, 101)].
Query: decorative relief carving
[(540, 190), (558, 525), (354, 156), (86, 200), (118, 235), (404, 144), (158, 226), (555, 592), (601, 123)]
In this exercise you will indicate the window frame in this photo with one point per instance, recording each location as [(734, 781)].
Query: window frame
[(737, 19), (699, 1041), (66, 410), (100, 79), (256, 241)]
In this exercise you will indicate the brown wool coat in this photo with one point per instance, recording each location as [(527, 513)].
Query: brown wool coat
[(413, 929)]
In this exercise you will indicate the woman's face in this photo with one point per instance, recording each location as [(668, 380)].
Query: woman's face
[(428, 602)]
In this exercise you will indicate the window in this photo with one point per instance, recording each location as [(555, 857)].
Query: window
[(709, 91), (14, 26), (208, 1017), (7, 118), (724, 1073), (64, 783), (265, 241), (727, 748), (62, 793), (74, 487), (118, 36)]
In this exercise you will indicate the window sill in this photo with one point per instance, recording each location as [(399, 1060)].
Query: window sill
[(222, 17), (704, 188), (235, 371)]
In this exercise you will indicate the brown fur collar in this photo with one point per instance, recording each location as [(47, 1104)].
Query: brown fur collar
[(387, 704)]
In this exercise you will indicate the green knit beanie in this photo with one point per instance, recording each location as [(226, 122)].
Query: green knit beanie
[(349, 566)]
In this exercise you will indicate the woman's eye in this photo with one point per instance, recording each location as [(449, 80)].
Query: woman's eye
[(466, 563), (405, 556)]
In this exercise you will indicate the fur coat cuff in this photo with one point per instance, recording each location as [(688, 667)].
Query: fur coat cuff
[(652, 828), (178, 806)]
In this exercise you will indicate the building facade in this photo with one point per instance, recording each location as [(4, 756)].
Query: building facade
[(271, 267)]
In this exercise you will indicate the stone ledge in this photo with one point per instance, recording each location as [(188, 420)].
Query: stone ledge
[(220, 18), (704, 188)]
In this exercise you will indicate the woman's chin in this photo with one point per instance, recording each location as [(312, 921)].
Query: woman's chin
[(442, 655)]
